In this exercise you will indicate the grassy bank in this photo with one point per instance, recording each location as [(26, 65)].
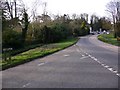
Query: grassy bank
[(37, 53), (109, 38)]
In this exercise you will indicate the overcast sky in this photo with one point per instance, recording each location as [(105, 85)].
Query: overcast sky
[(71, 6)]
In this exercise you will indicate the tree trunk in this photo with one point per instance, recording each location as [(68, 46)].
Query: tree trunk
[(114, 26), (24, 29), (9, 9), (15, 9)]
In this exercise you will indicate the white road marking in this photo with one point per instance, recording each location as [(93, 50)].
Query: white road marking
[(41, 64), (66, 55), (84, 57), (115, 71), (95, 59), (26, 85), (110, 69), (105, 66), (89, 55), (118, 74), (99, 62), (92, 57)]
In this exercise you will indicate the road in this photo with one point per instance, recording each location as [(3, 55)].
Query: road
[(87, 64)]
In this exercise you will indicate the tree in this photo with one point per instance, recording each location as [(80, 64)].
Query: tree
[(14, 8), (113, 7), (74, 16), (105, 23), (118, 19), (24, 23), (95, 23), (11, 13), (84, 17)]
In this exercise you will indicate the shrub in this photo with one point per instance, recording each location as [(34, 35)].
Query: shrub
[(11, 39), (52, 34)]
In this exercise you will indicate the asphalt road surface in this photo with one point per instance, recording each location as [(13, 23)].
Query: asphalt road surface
[(87, 64)]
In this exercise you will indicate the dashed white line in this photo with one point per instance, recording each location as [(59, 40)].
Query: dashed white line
[(66, 55), (26, 85), (99, 62), (84, 57), (115, 71), (95, 59), (41, 64), (92, 57), (105, 66), (102, 64), (89, 55), (118, 74), (110, 69)]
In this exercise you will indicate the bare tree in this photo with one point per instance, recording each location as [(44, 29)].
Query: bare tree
[(34, 15), (118, 19), (14, 8), (113, 7), (35, 6), (74, 16)]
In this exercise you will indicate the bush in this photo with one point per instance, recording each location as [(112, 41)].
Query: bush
[(52, 34), (43, 35), (76, 31), (11, 39), (118, 38), (59, 31)]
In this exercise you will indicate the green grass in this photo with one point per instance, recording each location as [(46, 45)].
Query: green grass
[(109, 38), (37, 53), (25, 48)]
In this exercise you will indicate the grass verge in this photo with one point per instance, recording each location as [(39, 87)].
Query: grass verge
[(109, 38), (37, 53)]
